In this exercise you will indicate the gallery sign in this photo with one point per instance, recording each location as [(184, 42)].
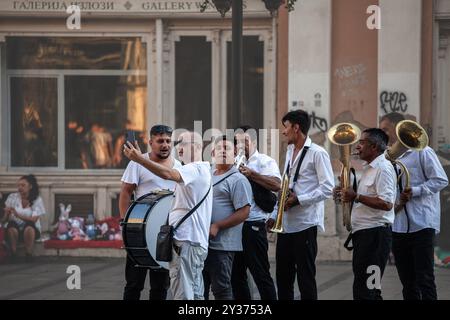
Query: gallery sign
[(123, 7)]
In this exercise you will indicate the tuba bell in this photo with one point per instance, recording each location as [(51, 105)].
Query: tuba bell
[(410, 135), (344, 135)]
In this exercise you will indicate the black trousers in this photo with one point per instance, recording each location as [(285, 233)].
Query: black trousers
[(371, 249), (254, 257), (414, 259), (296, 255), (135, 278), (217, 274)]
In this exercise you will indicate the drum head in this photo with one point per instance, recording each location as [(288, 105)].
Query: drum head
[(156, 218), (141, 226)]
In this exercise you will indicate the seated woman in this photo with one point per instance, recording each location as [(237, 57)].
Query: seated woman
[(22, 212)]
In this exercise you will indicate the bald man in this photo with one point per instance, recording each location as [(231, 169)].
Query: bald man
[(191, 237)]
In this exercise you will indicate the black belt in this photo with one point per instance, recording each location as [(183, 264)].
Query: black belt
[(350, 236), (347, 242), (256, 222)]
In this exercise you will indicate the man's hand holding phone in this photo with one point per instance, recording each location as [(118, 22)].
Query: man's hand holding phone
[(130, 137), (132, 151)]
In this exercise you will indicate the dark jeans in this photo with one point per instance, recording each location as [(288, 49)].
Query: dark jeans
[(296, 255), (254, 257), (135, 278), (414, 259), (217, 274), (371, 248)]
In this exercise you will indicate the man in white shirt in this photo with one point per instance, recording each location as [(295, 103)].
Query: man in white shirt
[(372, 214), (138, 181), (417, 218), (193, 183), (262, 170), (311, 181)]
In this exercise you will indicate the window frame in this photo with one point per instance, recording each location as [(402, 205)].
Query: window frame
[(53, 216), (218, 36), (269, 87), (111, 194), (59, 74)]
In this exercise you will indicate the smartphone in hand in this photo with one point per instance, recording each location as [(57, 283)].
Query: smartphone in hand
[(129, 136)]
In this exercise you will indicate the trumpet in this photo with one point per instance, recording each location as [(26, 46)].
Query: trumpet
[(240, 159), (344, 135), (278, 227), (410, 135)]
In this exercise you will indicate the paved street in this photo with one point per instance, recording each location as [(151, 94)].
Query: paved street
[(102, 279)]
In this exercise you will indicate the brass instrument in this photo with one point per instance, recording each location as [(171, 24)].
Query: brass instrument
[(344, 135), (410, 135), (240, 159), (278, 227)]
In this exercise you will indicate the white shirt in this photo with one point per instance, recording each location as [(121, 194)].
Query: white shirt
[(314, 184), (428, 178), (196, 183), (266, 166), (377, 180), (36, 210), (145, 180)]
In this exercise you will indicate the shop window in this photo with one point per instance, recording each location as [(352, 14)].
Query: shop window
[(34, 115), (252, 111), (98, 106), (76, 53), (82, 204), (193, 82), (98, 111)]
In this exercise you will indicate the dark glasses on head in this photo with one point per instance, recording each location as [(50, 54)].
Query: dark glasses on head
[(160, 129)]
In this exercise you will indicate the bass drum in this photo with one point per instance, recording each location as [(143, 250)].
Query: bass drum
[(141, 226)]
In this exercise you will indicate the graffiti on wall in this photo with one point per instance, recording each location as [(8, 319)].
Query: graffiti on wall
[(318, 123), (393, 101), (317, 100), (300, 103), (351, 78)]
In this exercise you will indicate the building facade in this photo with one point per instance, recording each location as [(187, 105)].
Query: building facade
[(68, 95), (356, 60)]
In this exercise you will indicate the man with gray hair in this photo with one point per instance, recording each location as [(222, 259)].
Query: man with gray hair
[(191, 237), (372, 214)]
